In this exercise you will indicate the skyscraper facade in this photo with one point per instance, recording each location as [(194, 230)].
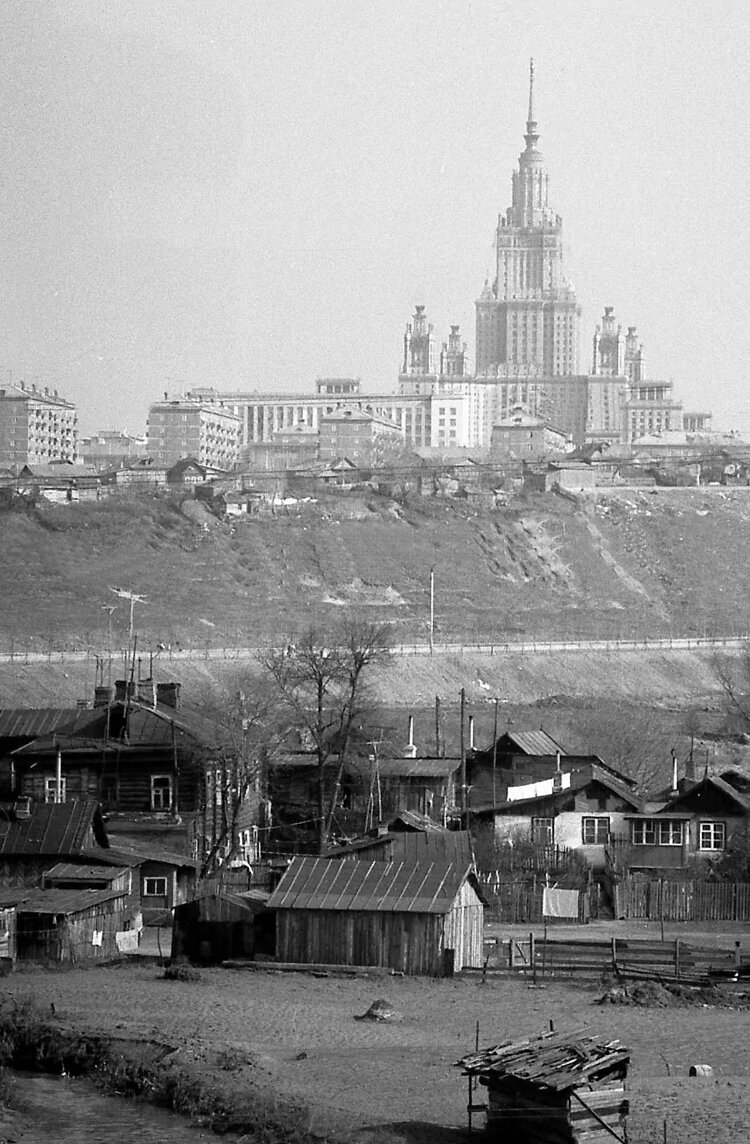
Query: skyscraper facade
[(527, 319)]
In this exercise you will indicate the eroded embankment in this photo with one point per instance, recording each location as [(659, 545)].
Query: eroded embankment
[(678, 677), (148, 1070)]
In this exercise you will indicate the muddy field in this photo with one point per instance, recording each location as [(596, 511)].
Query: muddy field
[(295, 1035)]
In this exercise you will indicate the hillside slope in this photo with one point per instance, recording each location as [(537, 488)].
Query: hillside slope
[(629, 562)]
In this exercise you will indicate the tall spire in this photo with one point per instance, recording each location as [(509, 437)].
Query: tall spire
[(532, 135)]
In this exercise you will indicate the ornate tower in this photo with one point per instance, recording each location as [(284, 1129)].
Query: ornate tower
[(419, 346), (453, 355), (527, 319)]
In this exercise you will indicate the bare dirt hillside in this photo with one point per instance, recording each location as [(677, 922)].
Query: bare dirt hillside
[(627, 562)]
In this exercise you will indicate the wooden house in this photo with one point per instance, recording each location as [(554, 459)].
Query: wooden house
[(520, 758), (382, 788), (554, 1089), (578, 810), (697, 825), (160, 879), (426, 918), (137, 753), (71, 927), (223, 924), (37, 836)]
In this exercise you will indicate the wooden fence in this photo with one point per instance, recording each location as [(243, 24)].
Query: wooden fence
[(636, 958), (519, 904), (683, 901)]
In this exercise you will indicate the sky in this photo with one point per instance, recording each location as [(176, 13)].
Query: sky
[(250, 195)]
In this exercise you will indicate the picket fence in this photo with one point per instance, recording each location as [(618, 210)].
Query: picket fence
[(684, 901), (517, 903)]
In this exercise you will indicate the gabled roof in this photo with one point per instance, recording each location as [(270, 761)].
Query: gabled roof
[(29, 723), (579, 780), (383, 887), (534, 743), (64, 472), (52, 828), (711, 782)]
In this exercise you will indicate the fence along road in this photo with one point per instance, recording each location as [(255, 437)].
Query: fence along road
[(527, 647)]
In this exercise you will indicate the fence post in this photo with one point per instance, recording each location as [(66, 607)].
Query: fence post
[(512, 954), (532, 957), (614, 956), (737, 954), (677, 957)]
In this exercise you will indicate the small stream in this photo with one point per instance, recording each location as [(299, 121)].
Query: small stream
[(63, 1110)]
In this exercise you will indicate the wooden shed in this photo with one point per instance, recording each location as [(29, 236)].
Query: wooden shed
[(417, 918), (223, 924), (68, 927), (559, 1088)]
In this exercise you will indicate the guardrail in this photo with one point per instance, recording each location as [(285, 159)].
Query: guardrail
[(530, 647)]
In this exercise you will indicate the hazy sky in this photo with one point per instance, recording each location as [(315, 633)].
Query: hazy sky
[(251, 194)]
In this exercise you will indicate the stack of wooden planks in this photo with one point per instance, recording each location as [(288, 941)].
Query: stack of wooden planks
[(554, 1089)]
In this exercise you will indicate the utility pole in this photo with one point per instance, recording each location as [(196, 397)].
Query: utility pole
[(494, 757), (134, 599), (432, 610), (464, 800)]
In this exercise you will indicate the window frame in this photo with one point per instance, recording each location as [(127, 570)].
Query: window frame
[(160, 878), (596, 819), (717, 829), (161, 778), (50, 789), (542, 823)]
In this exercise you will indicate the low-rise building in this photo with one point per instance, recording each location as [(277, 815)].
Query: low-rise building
[(523, 437), (360, 436)]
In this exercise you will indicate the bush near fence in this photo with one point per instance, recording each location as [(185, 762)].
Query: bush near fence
[(682, 901)]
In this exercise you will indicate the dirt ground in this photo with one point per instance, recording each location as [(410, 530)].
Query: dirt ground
[(295, 1034)]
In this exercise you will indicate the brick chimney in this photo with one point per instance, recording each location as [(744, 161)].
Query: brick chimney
[(168, 694)]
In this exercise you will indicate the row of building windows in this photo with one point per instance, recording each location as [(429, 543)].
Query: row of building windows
[(595, 831)]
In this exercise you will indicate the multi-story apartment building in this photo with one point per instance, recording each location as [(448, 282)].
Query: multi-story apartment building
[(36, 426), (183, 427), (359, 436)]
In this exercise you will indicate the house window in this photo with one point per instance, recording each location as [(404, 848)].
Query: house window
[(595, 831), (653, 832), (670, 833), (543, 831), (154, 887), (161, 792), (711, 836), (50, 790)]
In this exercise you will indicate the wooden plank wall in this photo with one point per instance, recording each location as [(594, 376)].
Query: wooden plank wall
[(464, 929), (408, 943)]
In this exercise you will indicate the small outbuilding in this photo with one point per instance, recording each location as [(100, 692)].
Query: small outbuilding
[(423, 917), (71, 927), (553, 1089), (216, 926)]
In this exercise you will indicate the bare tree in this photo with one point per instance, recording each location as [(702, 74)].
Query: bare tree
[(733, 676), (244, 712), (320, 682)]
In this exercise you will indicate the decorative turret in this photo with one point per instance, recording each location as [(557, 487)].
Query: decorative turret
[(419, 345)]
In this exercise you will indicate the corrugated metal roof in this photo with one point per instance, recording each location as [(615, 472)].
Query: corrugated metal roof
[(20, 723), (535, 743), (414, 848), (393, 887), (405, 768), (125, 856), (51, 828), (29, 901)]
